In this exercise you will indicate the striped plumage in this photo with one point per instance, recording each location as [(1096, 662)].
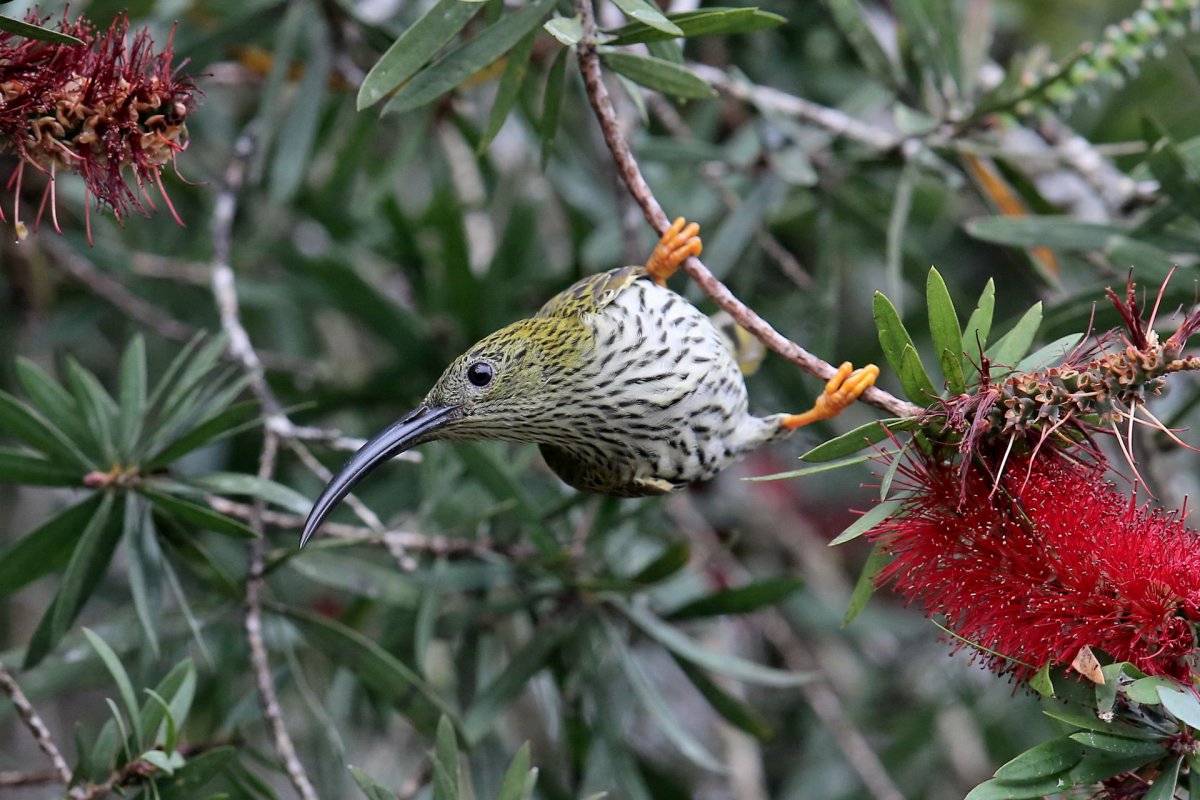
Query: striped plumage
[(627, 388)]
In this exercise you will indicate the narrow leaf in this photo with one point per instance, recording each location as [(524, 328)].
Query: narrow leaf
[(1182, 704), (506, 94), (87, 566), (738, 600), (1164, 785), (648, 14), (124, 686), (1013, 346), (878, 513), (864, 587), (854, 440), (31, 31), (733, 710), (552, 97), (724, 663), (217, 427), (943, 326), (195, 514), (1048, 758), (131, 395), (413, 50), (467, 59), (512, 786), (240, 484), (17, 466), (659, 75), (47, 548), (702, 22), (979, 325), (1118, 745), (31, 427)]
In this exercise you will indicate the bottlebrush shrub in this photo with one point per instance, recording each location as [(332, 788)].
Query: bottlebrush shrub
[(102, 109), (1044, 559)]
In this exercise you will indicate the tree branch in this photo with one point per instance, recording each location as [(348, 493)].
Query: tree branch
[(631, 174), (33, 721)]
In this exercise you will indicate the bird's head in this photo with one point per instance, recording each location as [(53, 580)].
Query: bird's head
[(494, 390)]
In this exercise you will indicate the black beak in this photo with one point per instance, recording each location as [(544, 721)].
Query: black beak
[(413, 429)]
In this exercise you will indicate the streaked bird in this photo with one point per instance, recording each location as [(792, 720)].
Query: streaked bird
[(626, 387)]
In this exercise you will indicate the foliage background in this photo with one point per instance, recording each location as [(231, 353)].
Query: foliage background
[(368, 252)]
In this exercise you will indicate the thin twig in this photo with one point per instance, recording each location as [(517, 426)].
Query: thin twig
[(225, 292), (285, 748), (408, 540), (33, 721), (589, 66), (13, 780), (767, 99)]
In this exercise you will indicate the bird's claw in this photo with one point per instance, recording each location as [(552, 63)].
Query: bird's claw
[(840, 391), (677, 243)]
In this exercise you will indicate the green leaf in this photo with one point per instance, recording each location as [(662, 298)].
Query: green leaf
[(124, 686), (1059, 233), (703, 22), (648, 14), (512, 786), (1041, 682), (84, 571), (914, 378), (52, 400), (1017, 790), (673, 558), (552, 97), (467, 59), (177, 689), (1097, 766), (1118, 745), (495, 698), (651, 701), (378, 669), (893, 336), (854, 440), (297, 132), (1044, 760), (31, 427), (738, 600), (47, 548), (241, 484), (1013, 345), (510, 84), (159, 760), (864, 587), (1164, 785), (723, 663), (145, 566), (131, 394), (196, 514), (413, 50), (1145, 690), (979, 325), (188, 780), (1050, 355), (852, 21), (567, 30), (99, 409), (17, 466), (1178, 177), (943, 325), (31, 31), (731, 709), (868, 521), (828, 466), (447, 752), (370, 787), (223, 424), (1182, 704), (658, 74)]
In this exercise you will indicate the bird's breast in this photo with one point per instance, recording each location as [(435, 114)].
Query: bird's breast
[(660, 398)]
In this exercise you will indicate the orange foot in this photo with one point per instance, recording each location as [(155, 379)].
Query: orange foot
[(673, 249), (841, 390)]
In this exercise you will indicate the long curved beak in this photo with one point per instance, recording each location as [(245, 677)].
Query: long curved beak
[(411, 430)]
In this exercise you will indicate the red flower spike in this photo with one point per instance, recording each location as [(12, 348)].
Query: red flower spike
[(101, 109), (1053, 560)]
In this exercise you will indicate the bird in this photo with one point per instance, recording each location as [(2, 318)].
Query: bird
[(627, 388)]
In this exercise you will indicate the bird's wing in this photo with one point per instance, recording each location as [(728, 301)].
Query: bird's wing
[(589, 295)]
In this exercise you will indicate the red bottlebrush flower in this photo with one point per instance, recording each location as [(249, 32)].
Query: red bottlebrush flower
[(1054, 559), (101, 109)]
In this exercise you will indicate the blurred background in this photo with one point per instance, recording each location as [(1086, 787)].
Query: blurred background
[(370, 251)]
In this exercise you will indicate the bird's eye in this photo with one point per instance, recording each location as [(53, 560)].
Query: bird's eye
[(480, 373)]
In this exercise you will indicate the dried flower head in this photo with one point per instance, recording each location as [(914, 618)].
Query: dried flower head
[(1043, 560), (103, 109)]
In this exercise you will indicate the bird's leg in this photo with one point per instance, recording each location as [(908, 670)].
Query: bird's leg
[(841, 390), (679, 242)]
